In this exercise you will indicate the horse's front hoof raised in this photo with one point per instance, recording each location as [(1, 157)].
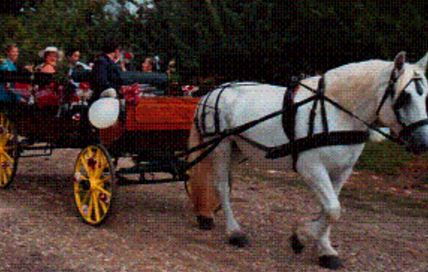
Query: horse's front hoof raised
[(296, 245), (205, 223), (330, 262), (238, 239)]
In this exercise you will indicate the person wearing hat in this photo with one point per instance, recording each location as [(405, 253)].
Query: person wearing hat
[(106, 73), (51, 55)]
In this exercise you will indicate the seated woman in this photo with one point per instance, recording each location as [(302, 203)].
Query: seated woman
[(51, 55), (9, 64), (49, 93), (147, 65)]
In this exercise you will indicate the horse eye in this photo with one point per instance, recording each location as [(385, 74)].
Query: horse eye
[(419, 88), (402, 100)]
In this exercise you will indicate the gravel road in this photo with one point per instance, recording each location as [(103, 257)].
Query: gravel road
[(152, 227)]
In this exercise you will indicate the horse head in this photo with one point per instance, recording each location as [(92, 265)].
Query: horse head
[(402, 106)]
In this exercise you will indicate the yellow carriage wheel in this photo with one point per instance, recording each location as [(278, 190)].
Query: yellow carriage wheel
[(9, 152), (94, 184)]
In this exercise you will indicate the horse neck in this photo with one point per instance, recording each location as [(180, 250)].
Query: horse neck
[(359, 87)]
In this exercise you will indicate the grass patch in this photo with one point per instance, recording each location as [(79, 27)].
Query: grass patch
[(373, 202), (386, 158)]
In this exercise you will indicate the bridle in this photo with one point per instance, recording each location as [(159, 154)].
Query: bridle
[(402, 99)]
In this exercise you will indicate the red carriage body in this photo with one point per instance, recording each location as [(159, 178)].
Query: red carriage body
[(150, 131)]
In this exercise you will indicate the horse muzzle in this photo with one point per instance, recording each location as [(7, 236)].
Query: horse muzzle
[(416, 138)]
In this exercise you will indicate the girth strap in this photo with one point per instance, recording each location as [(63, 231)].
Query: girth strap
[(289, 117), (318, 140)]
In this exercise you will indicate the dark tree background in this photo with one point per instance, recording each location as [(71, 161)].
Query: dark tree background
[(234, 40)]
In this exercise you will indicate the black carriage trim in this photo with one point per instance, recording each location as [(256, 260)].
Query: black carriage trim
[(288, 112)]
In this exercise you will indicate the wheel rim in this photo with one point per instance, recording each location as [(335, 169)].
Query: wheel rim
[(8, 151), (93, 184)]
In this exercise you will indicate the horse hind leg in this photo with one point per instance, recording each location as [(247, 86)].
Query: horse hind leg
[(319, 230), (203, 192), (221, 163)]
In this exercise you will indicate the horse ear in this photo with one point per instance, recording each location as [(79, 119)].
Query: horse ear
[(399, 60), (423, 62)]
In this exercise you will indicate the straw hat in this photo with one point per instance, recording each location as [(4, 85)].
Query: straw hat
[(51, 49)]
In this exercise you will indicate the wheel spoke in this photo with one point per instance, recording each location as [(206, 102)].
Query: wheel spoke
[(102, 190), (104, 180), (90, 206), (85, 165), (86, 197), (3, 181), (96, 206), (103, 206), (8, 157), (9, 171), (82, 177), (101, 161)]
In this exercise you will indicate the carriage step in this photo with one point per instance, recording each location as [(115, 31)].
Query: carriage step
[(29, 151), (123, 181), (173, 167)]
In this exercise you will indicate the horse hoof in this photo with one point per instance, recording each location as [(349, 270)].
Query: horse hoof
[(205, 223), (296, 245), (330, 262), (238, 239)]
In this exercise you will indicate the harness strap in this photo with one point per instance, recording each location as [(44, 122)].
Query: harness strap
[(318, 140), (255, 144), (204, 113), (216, 111), (407, 130), (389, 92), (312, 116), (321, 91), (289, 117)]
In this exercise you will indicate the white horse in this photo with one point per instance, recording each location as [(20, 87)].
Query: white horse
[(358, 87)]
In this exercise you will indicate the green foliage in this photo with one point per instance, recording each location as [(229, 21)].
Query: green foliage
[(386, 158), (268, 40)]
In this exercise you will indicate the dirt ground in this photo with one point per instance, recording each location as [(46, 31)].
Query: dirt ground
[(383, 228)]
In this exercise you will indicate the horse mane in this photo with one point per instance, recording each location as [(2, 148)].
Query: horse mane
[(357, 80)]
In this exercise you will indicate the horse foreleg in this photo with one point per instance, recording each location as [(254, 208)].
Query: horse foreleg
[(318, 178), (221, 161)]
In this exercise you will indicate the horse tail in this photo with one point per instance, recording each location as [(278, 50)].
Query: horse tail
[(201, 187), (376, 136)]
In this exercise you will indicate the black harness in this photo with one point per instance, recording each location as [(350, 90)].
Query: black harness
[(313, 140), (402, 100)]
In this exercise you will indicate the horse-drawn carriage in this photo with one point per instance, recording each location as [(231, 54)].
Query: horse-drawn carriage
[(151, 129)]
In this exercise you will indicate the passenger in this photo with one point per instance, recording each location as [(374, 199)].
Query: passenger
[(147, 65), (126, 61), (74, 64), (9, 64), (51, 55), (106, 73)]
